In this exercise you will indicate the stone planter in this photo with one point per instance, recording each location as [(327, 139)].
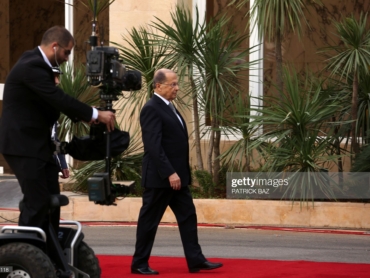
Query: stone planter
[(234, 212)]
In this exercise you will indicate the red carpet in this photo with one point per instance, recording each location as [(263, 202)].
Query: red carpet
[(119, 266)]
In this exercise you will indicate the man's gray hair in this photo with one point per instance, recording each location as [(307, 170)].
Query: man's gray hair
[(160, 76)]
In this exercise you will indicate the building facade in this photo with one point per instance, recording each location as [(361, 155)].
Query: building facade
[(22, 24)]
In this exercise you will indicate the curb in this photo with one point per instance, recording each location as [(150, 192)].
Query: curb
[(339, 218), (223, 226), (285, 229)]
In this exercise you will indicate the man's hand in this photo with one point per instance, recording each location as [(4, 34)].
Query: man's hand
[(108, 118), (65, 174), (175, 181)]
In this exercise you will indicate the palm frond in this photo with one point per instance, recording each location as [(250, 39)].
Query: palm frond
[(354, 54), (100, 6), (225, 63), (144, 55), (74, 83), (299, 124), (273, 15)]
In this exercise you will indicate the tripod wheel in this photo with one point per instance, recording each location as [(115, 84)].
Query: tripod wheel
[(26, 259), (87, 261)]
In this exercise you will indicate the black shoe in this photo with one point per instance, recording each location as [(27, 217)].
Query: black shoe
[(205, 266), (144, 271)]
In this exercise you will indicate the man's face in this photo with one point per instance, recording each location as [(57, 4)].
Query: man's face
[(169, 88), (62, 53)]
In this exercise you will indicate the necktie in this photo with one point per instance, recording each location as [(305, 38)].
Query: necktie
[(174, 111), (172, 108)]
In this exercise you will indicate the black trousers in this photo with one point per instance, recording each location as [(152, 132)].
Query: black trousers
[(155, 202), (38, 180)]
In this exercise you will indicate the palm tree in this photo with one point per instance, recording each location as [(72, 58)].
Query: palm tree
[(224, 58), (239, 156), (298, 125), (363, 123), (350, 58), (184, 40), (275, 19)]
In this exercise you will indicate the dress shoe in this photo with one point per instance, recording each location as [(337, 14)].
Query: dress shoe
[(205, 266), (144, 271)]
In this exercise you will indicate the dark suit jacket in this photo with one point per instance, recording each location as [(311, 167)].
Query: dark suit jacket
[(166, 146), (31, 105)]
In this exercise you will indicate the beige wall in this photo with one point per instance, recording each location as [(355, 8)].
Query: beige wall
[(303, 53), (124, 15)]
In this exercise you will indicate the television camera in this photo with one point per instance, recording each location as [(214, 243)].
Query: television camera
[(105, 70)]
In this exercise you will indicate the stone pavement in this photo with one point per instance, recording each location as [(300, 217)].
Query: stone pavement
[(10, 192)]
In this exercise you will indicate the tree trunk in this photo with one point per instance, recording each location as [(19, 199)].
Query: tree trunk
[(210, 151), (338, 152), (247, 156), (337, 146), (279, 62), (354, 108), (216, 154), (198, 149)]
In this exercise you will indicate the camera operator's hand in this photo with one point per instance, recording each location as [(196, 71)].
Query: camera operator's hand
[(65, 174), (108, 118)]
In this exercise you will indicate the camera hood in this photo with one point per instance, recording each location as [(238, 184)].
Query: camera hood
[(90, 148)]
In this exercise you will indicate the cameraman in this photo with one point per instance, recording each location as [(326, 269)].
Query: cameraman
[(31, 105)]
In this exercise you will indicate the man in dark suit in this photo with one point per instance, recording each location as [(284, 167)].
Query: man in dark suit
[(31, 105), (166, 176)]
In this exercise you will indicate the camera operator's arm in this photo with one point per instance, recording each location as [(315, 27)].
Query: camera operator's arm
[(108, 118)]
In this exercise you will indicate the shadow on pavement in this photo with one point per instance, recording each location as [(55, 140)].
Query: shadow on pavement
[(10, 193)]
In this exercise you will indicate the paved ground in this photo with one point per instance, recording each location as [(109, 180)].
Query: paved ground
[(10, 192), (221, 242), (238, 243)]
